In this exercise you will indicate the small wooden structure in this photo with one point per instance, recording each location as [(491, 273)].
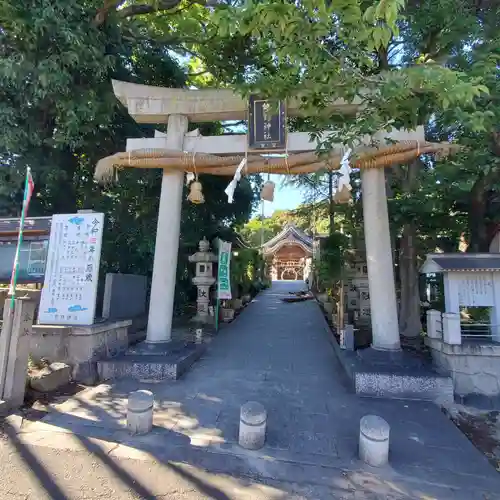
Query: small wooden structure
[(34, 248), (470, 280)]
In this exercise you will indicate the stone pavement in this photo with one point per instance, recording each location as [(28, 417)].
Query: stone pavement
[(275, 353)]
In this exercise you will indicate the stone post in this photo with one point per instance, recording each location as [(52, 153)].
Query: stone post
[(348, 338), (5, 336), (17, 348), (140, 412), (167, 241), (451, 329), (495, 309), (199, 336), (253, 421), (374, 440), (384, 315), (434, 324)]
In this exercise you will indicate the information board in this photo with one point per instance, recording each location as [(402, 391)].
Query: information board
[(70, 286), (32, 260), (223, 275), (475, 289)]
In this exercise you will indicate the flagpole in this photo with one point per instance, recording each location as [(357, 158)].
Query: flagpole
[(15, 270)]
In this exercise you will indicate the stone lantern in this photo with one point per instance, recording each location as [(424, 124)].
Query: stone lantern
[(203, 279)]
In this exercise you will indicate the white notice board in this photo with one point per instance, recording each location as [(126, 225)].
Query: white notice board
[(474, 289), (70, 286)]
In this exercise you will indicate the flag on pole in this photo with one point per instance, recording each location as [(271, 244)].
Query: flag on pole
[(28, 190), (29, 187)]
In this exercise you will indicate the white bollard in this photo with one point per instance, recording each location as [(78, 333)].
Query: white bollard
[(140, 412), (374, 440), (253, 420)]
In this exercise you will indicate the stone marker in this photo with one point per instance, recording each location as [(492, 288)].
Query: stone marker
[(140, 412), (199, 335), (15, 349), (374, 440), (253, 419), (347, 338)]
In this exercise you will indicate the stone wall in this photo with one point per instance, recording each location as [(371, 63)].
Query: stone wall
[(473, 367), (356, 291), (125, 296), (80, 346)]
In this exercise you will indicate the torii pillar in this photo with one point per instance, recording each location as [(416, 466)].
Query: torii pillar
[(161, 303), (383, 307), (148, 104)]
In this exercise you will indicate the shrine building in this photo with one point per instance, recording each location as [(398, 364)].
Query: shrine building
[(289, 254)]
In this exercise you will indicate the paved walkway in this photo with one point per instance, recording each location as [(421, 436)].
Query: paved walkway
[(275, 353)]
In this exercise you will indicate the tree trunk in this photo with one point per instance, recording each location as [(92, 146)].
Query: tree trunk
[(479, 237), (331, 207), (409, 312), (64, 198)]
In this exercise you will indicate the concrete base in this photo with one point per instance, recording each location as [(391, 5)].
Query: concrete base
[(80, 346), (203, 320), (396, 375), (152, 362), (474, 366)]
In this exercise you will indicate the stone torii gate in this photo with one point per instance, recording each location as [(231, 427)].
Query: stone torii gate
[(149, 104)]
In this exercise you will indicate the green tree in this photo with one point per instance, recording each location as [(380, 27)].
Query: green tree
[(59, 116), (403, 64)]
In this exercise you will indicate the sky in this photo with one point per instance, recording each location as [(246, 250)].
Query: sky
[(285, 198)]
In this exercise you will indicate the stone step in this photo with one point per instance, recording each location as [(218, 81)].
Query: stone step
[(150, 368), (431, 387), (401, 375)]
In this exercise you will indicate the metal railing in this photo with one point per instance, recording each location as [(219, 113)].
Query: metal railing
[(478, 330), (439, 329)]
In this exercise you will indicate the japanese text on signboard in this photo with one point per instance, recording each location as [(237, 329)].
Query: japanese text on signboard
[(70, 285), (266, 124), (223, 278)]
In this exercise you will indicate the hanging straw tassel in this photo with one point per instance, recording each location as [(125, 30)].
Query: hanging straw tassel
[(343, 196), (267, 192), (195, 195)]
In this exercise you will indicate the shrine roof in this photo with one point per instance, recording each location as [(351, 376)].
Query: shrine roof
[(39, 225), (461, 262), (290, 234)]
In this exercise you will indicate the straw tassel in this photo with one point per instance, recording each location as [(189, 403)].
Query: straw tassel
[(195, 195), (267, 192)]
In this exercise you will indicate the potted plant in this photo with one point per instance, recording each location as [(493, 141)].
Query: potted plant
[(328, 304), (227, 311)]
